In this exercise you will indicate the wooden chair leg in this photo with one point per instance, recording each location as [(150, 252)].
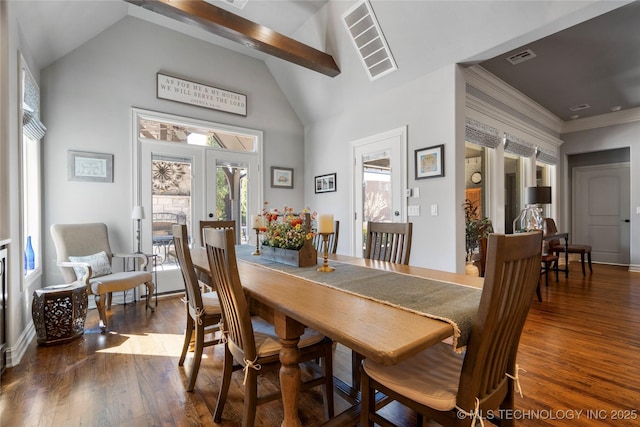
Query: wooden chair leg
[(100, 302), (197, 357), (356, 361), (367, 402), (188, 333), (227, 370), (582, 263), (250, 398), (589, 260), (538, 291), (327, 371)]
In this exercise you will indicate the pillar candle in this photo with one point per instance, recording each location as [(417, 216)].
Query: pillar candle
[(256, 220), (325, 223)]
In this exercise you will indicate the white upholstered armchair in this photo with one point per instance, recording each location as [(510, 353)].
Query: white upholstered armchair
[(83, 253)]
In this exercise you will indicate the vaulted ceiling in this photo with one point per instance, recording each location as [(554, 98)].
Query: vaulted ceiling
[(594, 63)]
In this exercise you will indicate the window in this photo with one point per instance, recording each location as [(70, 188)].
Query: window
[(32, 132)]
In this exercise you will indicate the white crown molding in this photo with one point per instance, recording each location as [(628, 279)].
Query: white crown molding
[(489, 84), (532, 134), (603, 120)]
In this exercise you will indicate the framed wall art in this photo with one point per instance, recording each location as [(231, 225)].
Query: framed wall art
[(326, 183), (281, 177), (87, 166), (430, 162)]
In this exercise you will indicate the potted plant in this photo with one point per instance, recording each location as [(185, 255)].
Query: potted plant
[(476, 228)]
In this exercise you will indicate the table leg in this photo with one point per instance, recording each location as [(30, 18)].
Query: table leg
[(566, 257), (289, 332)]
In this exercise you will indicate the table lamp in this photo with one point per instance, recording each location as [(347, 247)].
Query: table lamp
[(138, 215), (530, 217)]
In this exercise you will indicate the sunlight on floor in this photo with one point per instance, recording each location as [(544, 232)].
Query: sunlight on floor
[(148, 344)]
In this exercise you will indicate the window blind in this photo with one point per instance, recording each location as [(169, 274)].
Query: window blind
[(479, 133), (31, 124), (544, 156), (517, 146)]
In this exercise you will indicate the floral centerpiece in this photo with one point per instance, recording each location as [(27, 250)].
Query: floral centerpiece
[(288, 237), (284, 229)]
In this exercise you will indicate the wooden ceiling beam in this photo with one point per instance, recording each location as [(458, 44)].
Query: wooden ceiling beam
[(238, 29)]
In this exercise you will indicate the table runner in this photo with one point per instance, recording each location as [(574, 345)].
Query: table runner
[(449, 302)]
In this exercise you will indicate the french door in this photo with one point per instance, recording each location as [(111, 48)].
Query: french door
[(188, 171)]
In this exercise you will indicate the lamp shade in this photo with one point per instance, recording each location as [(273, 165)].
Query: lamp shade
[(138, 212), (537, 195)]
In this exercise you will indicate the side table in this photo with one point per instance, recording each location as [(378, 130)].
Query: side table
[(153, 264), (59, 312)]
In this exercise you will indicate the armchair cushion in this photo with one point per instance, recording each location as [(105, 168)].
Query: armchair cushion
[(119, 281), (99, 262)]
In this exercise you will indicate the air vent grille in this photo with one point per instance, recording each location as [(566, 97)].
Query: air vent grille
[(240, 4), (369, 41), (519, 57), (579, 107)]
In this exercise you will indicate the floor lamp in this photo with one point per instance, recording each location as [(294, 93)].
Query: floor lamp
[(138, 215)]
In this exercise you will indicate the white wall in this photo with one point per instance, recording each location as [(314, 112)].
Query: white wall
[(606, 138), (87, 101), (429, 109)]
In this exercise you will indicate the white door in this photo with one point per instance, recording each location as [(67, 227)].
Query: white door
[(601, 211), (380, 164)]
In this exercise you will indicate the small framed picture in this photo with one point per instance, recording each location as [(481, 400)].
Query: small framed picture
[(281, 177), (326, 183), (86, 166), (430, 162)]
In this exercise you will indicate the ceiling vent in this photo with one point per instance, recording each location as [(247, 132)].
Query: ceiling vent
[(240, 4), (369, 40), (579, 107), (519, 57)]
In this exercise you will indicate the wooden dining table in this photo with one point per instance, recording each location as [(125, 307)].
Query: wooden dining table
[(384, 333)]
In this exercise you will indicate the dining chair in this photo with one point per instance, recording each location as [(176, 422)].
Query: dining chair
[(386, 241), (203, 309), (453, 388), (215, 224), (389, 241), (83, 253), (332, 240), (250, 341), (555, 246)]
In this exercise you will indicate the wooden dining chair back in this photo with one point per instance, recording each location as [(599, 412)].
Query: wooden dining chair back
[(389, 241), (444, 385), (251, 342), (203, 310), (220, 224), (555, 246), (332, 240)]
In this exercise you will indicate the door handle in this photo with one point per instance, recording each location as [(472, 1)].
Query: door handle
[(210, 215), (396, 213), (625, 220)]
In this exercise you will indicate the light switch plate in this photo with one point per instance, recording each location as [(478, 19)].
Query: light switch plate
[(434, 210), (414, 210)]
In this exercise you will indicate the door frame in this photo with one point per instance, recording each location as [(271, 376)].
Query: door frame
[(400, 132)]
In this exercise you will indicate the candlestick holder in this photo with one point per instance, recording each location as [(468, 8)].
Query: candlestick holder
[(325, 242), (257, 251)]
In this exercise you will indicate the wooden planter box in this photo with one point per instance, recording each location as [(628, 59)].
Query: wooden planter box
[(306, 256)]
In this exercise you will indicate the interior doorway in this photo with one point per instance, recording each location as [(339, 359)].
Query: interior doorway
[(379, 180)]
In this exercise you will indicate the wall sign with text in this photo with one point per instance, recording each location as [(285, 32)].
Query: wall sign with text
[(202, 95)]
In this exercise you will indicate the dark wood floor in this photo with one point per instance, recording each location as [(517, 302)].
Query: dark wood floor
[(580, 349)]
